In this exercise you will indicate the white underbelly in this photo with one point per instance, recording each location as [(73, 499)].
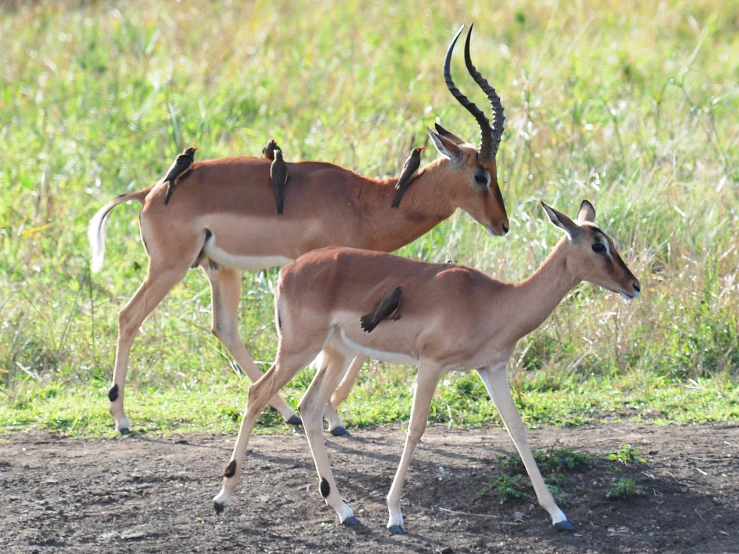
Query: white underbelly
[(242, 263), (389, 357)]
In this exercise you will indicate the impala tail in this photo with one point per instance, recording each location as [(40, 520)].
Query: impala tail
[(96, 230)]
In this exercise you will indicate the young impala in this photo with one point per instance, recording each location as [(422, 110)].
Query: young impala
[(451, 318), (223, 220)]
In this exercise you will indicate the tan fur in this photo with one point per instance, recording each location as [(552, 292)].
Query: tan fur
[(451, 318), (231, 201)]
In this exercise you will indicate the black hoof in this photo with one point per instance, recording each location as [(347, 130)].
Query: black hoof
[(218, 507), (294, 420), (564, 526), (124, 431), (397, 530), (350, 521), (340, 432)]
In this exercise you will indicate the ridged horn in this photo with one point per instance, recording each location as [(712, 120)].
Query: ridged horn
[(482, 121), (489, 148)]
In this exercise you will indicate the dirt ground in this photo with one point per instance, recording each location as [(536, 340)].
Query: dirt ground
[(144, 494)]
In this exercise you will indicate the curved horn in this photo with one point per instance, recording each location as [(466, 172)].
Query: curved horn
[(489, 147), (485, 129)]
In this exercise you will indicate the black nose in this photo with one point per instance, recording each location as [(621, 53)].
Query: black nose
[(505, 229), (637, 288)]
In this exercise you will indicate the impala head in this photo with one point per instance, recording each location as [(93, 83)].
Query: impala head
[(477, 192), (592, 253)]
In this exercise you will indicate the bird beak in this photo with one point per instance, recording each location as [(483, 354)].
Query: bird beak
[(196, 148)]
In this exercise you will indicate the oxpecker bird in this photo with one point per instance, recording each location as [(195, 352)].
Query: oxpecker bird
[(278, 172), (387, 309), (179, 167), (269, 149), (410, 167)]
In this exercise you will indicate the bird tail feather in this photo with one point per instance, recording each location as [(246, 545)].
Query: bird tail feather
[(398, 196), (368, 322)]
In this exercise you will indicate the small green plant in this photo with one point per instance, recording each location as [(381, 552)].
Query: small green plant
[(623, 489), (505, 488), (627, 455), (555, 459)]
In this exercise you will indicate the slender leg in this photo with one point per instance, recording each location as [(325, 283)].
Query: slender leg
[(496, 382), (285, 367), (225, 286), (428, 377), (311, 410), (152, 291), (335, 423)]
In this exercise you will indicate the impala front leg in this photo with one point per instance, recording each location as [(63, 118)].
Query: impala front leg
[(496, 382)]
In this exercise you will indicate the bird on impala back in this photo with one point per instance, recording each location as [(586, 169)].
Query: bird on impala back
[(387, 309), (410, 167), (269, 149), (278, 173), (179, 167)]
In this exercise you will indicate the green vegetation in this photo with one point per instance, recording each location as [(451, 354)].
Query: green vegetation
[(623, 489), (626, 455), (631, 105), (553, 462)]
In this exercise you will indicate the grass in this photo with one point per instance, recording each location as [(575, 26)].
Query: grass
[(555, 463), (629, 105)]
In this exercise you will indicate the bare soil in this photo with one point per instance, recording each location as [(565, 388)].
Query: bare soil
[(144, 494)]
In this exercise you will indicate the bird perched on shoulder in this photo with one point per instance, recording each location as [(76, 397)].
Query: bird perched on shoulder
[(387, 309), (278, 173), (410, 167), (269, 149), (179, 167)]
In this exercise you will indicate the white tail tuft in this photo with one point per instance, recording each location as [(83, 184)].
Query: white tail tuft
[(96, 236)]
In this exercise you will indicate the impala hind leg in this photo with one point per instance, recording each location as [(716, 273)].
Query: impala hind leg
[(335, 423), (311, 409), (225, 287), (159, 281), (496, 382), (286, 366), (428, 378)]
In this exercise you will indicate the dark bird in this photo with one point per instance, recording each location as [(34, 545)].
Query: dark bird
[(387, 309), (269, 149), (179, 167), (278, 172), (410, 167)]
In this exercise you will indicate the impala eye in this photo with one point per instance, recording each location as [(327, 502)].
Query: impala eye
[(599, 248), (481, 179)]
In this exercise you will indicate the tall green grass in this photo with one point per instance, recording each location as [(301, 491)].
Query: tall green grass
[(630, 105)]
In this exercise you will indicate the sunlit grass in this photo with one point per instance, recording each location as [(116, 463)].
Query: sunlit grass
[(627, 104)]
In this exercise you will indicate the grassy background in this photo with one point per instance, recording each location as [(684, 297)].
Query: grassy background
[(630, 105)]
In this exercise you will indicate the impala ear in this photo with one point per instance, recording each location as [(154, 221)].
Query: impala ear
[(448, 134), (586, 212), (445, 146), (560, 220)]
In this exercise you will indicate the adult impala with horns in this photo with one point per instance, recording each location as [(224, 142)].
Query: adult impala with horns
[(223, 220)]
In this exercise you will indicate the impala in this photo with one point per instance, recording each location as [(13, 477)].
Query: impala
[(452, 318), (222, 219)]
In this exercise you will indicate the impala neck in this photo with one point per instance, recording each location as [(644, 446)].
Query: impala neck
[(534, 299), (424, 205)]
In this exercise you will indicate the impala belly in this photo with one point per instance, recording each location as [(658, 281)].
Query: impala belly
[(389, 357), (254, 243)]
